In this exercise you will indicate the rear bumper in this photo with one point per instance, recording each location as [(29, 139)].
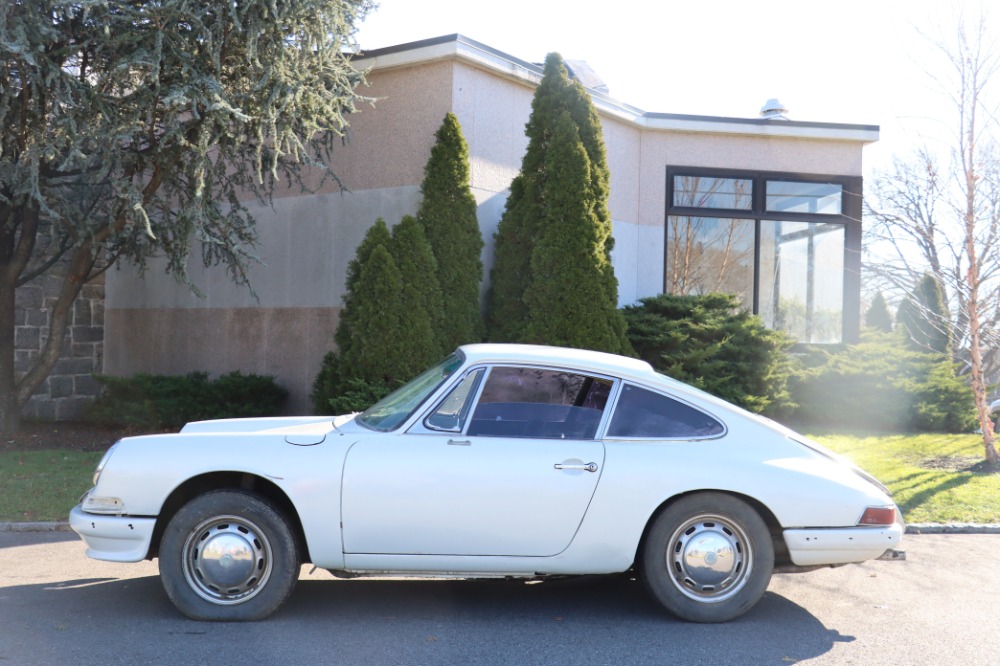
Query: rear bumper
[(840, 545), (113, 538)]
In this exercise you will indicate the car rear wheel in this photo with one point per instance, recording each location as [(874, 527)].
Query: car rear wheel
[(708, 558), (228, 555)]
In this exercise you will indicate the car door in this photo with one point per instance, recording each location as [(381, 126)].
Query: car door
[(506, 464)]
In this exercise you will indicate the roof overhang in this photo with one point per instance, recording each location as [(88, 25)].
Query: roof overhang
[(462, 49)]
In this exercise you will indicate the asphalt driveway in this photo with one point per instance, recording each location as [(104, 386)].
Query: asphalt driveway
[(940, 606)]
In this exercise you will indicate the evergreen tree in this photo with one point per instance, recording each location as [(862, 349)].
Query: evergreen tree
[(924, 317), (878, 316), (417, 346), (448, 215), (376, 322), (572, 298), (130, 130), (378, 234), (524, 214)]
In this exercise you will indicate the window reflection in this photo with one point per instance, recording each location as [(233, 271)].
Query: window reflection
[(709, 192), (801, 279), (797, 197), (710, 254)]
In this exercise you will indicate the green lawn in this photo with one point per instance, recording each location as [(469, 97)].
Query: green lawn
[(43, 485), (934, 478)]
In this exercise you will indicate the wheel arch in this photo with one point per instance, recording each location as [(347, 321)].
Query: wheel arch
[(228, 480), (773, 526)]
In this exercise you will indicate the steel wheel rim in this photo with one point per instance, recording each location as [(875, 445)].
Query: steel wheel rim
[(227, 560), (709, 558)]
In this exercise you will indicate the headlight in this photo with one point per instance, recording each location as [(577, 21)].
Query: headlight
[(104, 461)]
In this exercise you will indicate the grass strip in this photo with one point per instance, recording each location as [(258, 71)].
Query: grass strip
[(43, 485), (933, 478)]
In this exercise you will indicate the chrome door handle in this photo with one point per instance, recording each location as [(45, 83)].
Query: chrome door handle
[(459, 442), (586, 467)]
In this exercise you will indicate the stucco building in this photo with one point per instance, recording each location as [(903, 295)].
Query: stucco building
[(767, 207)]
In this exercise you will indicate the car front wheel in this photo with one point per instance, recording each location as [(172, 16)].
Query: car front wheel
[(228, 555), (708, 558)]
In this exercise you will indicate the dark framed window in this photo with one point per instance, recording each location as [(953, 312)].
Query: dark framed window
[(641, 413), (539, 403), (788, 245)]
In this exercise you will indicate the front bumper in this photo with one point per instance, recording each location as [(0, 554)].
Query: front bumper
[(113, 538), (841, 545)]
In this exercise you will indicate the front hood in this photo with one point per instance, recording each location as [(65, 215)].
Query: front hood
[(277, 425)]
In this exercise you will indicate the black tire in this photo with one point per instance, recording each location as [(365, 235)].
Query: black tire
[(708, 558), (197, 567)]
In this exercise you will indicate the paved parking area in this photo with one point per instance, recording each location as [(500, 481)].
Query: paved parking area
[(940, 606)]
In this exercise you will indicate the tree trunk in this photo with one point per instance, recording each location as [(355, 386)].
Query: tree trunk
[(10, 408)]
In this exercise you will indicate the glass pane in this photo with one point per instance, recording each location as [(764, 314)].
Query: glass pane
[(709, 192), (532, 402), (802, 279), (643, 413), (785, 196), (390, 411), (453, 410), (710, 254)]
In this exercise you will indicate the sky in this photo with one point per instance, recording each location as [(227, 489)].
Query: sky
[(851, 61)]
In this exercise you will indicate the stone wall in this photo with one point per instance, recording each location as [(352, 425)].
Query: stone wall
[(71, 386)]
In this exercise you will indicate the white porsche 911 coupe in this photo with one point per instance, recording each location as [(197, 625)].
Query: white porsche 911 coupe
[(500, 461)]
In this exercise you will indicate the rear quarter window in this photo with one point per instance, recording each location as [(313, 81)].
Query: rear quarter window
[(641, 413)]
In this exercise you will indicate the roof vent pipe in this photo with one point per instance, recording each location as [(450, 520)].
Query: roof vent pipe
[(773, 110)]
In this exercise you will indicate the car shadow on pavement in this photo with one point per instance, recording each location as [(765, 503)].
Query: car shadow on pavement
[(575, 620)]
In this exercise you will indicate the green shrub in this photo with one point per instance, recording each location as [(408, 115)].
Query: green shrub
[(881, 384), (709, 341), (170, 401), (357, 395)]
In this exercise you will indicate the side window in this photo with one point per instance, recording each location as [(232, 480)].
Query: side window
[(451, 414), (534, 402), (642, 413)]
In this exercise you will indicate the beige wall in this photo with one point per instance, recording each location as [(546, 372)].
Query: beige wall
[(306, 241)]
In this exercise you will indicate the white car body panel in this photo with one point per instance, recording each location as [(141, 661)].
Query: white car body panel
[(447, 495), (413, 503)]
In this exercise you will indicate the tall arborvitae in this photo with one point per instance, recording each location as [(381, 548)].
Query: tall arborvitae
[(416, 344), (376, 325), (924, 317), (572, 298), (448, 214), (877, 316), (378, 234), (525, 212)]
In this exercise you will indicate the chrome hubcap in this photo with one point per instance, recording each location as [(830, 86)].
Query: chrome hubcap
[(709, 558), (227, 560)]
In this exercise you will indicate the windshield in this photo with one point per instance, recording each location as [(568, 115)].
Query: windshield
[(390, 411)]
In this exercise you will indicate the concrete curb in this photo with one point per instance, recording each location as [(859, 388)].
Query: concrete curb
[(35, 527), (913, 528), (953, 528)]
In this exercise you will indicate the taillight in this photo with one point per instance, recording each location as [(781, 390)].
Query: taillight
[(878, 515)]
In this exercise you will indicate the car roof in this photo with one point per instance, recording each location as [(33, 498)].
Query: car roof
[(582, 359)]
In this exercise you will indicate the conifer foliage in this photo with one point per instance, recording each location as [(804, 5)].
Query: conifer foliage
[(924, 317), (134, 129), (385, 335), (541, 275), (877, 316), (448, 215)]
